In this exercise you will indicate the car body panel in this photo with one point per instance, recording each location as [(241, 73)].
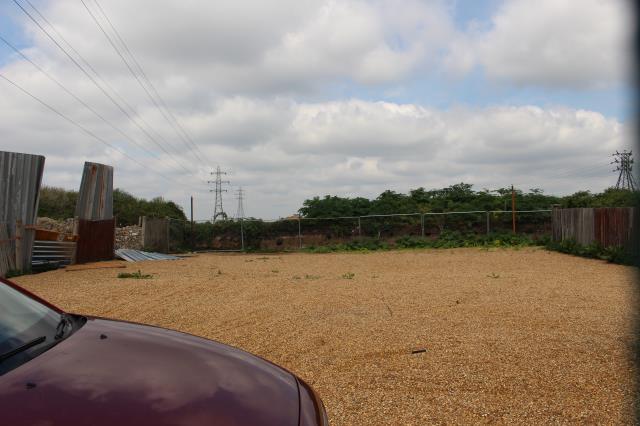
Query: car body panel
[(113, 372)]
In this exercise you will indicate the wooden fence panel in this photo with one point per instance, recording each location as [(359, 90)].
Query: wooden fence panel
[(609, 226), (96, 240), (155, 234)]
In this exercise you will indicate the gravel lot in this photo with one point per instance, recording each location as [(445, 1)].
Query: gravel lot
[(511, 336)]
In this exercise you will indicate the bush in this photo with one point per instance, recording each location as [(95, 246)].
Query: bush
[(613, 254)]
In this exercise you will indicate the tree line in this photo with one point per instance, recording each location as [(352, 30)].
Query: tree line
[(461, 197), (60, 204)]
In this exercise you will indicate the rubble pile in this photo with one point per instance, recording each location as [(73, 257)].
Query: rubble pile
[(63, 226), (129, 237)]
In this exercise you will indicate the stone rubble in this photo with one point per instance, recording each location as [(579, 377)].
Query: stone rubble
[(129, 237)]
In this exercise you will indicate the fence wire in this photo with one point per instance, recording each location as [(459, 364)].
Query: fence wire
[(297, 233)]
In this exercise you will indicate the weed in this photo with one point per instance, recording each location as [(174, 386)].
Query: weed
[(275, 271), (348, 276), (311, 277), (296, 277), (493, 275), (134, 275)]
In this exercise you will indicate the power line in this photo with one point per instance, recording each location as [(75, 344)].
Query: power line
[(176, 123), (70, 93), (93, 80), (133, 73), (80, 126)]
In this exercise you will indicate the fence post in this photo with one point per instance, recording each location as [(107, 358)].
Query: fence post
[(488, 224), (513, 209), (242, 234), (192, 236), (300, 231), (359, 227), (422, 224), (19, 246), (76, 231)]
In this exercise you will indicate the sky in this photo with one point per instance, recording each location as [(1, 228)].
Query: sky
[(303, 98)]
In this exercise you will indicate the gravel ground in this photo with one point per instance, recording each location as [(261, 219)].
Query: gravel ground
[(511, 336)]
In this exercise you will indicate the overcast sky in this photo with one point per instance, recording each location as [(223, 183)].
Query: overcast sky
[(299, 98)]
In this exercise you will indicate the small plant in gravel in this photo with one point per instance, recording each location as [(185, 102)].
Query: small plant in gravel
[(296, 277), (138, 275), (275, 271), (311, 277), (348, 276), (493, 275)]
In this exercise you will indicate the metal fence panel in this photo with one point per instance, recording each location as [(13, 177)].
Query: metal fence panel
[(96, 240), (20, 179), (95, 197)]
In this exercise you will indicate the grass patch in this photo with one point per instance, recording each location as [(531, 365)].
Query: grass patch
[(134, 275), (348, 276)]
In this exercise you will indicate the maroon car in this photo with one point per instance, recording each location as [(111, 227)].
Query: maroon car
[(58, 368)]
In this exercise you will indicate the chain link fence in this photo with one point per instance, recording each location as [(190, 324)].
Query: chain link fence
[(298, 233)]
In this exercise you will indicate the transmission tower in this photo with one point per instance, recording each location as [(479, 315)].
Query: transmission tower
[(240, 196), (624, 165), (218, 211)]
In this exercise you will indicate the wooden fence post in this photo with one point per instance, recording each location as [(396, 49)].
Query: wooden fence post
[(19, 246), (76, 231)]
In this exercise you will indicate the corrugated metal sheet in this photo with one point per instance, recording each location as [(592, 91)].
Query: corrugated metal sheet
[(96, 240), (95, 197), (20, 179), (60, 252), (131, 255)]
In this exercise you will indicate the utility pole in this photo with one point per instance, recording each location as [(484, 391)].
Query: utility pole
[(192, 235), (513, 209), (624, 165), (240, 214), (218, 211)]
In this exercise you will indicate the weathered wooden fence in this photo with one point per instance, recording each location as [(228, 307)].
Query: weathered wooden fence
[(155, 234), (608, 226)]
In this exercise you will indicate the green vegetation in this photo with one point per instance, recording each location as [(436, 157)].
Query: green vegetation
[(448, 239), (460, 197), (348, 276), (594, 251), (134, 275), (60, 204)]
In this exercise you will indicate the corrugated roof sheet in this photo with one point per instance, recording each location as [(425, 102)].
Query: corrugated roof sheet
[(95, 197), (131, 255), (20, 179)]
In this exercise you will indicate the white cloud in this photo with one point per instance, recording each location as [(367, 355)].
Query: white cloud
[(550, 43), (240, 84)]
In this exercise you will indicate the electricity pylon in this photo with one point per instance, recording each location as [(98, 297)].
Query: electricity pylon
[(624, 165), (240, 197), (218, 211)]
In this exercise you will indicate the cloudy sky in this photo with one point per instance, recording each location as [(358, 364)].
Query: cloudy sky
[(297, 98)]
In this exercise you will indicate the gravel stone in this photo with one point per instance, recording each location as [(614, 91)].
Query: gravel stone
[(549, 341)]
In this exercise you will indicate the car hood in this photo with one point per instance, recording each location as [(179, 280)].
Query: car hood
[(119, 373)]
